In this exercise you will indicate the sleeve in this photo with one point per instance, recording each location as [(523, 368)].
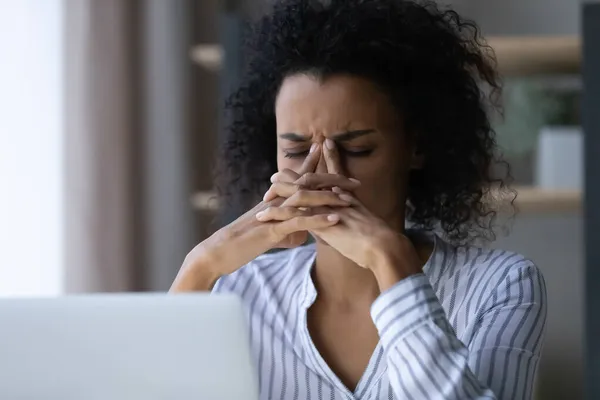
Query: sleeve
[(427, 361)]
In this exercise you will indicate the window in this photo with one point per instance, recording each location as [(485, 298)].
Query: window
[(31, 107)]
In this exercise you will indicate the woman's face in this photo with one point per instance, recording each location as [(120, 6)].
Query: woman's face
[(366, 128)]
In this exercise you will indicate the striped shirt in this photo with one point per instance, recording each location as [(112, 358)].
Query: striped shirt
[(469, 327)]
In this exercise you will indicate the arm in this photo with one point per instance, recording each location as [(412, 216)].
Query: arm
[(281, 220), (427, 361)]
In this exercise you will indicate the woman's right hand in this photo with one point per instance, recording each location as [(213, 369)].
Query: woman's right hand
[(288, 204)]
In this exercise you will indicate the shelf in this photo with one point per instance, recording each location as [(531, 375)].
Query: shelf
[(538, 201), (542, 55), (530, 200), (517, 55), (209, 56)]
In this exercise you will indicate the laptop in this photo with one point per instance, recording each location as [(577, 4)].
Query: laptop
[(125, 347)]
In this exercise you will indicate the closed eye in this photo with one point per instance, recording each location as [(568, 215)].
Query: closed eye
[(356, 153), (344, 152), (291, 154)]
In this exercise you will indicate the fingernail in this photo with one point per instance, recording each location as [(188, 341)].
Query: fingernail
[(333, 217), (330, 144), (337, 190), (260, 214), (355, 181), (267, 196), (313, 147), (273, 177), (346, 197)]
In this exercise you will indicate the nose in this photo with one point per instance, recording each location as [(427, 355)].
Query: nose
[(321, 166)]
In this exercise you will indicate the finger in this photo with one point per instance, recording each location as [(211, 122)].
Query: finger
[(350, 198), (285, 175), (279, 230), (344, 195), (332, 157), (315, 180), (281, 213), (298, 196), (311, 160), (315, 198), (281, 189)]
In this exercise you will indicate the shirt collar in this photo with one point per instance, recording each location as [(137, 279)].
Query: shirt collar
[(309, 292)]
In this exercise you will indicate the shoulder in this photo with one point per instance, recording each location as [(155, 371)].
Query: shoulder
[(501, 264), (492, 272), (269, 270)]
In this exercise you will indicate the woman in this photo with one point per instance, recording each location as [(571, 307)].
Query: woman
[(365, 114)]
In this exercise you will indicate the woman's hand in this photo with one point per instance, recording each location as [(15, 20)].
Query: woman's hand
[(368, 241), (288, 208), (309, 190), (365, 238)]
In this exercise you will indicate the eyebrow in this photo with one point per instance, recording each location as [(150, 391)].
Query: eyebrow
[(338, 137)]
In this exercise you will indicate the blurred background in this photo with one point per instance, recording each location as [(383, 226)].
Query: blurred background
[(110, 115)]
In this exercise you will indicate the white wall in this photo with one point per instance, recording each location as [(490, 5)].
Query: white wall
[(526, 17), (30, 147), (555, 243)]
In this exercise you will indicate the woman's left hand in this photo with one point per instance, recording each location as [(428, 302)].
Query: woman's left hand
[(365, 238), (368, 241)]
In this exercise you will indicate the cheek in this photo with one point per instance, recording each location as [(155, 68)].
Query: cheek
[(284, 162), (369, 169), (374, 180), (383, 185)]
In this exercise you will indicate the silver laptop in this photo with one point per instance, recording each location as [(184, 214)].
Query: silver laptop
[(125, 347)]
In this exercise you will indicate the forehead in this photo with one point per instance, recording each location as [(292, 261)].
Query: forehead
[(336, 102)]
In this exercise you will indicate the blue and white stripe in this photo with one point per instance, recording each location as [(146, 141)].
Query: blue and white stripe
[(469, 327)]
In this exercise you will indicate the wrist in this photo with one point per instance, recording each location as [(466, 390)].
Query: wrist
[(394, 260), (196, 275)]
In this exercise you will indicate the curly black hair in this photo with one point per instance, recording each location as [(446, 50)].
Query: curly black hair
[(434, 65)]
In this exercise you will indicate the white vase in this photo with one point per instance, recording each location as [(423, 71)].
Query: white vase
[(560, 158)]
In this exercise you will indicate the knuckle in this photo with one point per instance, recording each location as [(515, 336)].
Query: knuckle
[(309, 177), (304, 180), (331, 196), (301, 194), (288, 211), (268, 210), (288, 175)]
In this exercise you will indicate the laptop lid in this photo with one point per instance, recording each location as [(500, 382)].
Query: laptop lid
[(146, 346)]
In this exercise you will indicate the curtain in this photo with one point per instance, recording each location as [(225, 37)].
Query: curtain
[(100, 128), (128, 221)]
